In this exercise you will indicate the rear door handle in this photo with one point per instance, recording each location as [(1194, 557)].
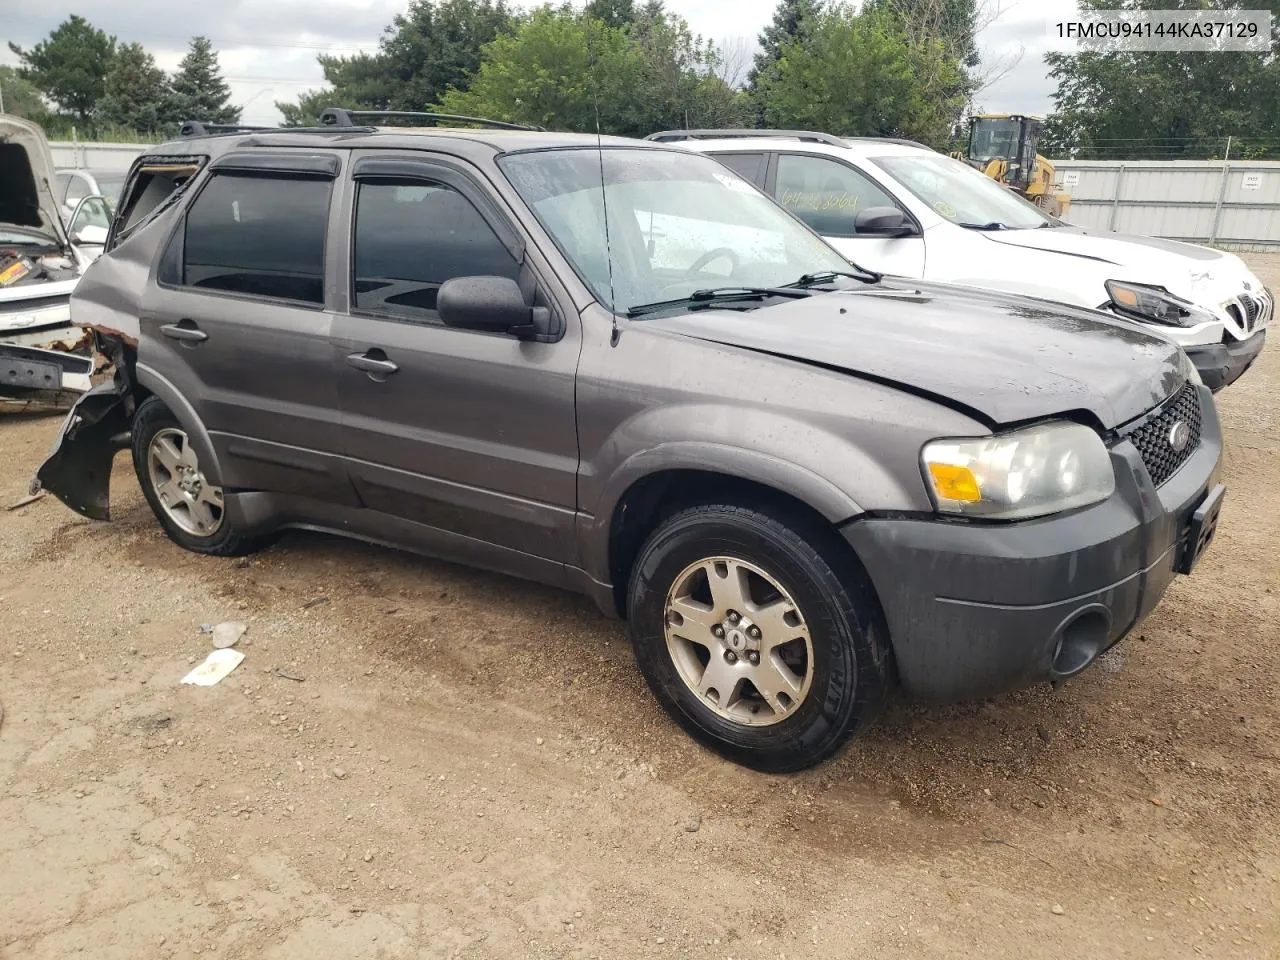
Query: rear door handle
[(185, 331), (373, 362)]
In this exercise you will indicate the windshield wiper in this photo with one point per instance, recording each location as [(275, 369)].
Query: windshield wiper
[(702, 299), (823, 276), (993, 225)]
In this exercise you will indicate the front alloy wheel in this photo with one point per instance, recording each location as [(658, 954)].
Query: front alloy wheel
[(739, 641), (758, 632)]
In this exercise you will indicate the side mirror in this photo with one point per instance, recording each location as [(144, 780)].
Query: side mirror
[(883, 222), (490, 304)]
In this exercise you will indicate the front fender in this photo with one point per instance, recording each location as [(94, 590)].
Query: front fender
[(827, 472)]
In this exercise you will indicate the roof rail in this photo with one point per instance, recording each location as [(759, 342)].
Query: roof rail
[(898, 140), (339, 117), (665, 136)]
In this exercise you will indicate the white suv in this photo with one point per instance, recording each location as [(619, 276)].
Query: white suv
[(900, 208)]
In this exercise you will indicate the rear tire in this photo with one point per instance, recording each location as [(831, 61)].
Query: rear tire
[(189, 508), (759, 635)]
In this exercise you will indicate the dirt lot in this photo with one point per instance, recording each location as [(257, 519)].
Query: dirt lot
[(470, 766)]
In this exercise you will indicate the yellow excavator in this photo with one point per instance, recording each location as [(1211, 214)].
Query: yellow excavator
[(1003, 146)]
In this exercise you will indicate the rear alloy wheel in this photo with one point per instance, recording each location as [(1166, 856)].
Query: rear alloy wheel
[(190, 501), (758, 633), (190, 508)]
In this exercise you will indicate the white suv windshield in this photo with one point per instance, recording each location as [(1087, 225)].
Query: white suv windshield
[(678, 222), (962, 194)]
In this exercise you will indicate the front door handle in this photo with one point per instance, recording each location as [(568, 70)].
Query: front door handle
[(184, 331), (373, 362)]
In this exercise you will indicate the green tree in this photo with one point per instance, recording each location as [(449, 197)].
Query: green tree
[(857, 74), (1157, 105), (615, 13), (138, 95), (433, 46), (792, 22), (70, 66), (199, 91), (19, 97), (562, 67)]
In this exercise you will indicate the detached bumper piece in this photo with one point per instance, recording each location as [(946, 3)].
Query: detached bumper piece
[(975, 609), (27, 369), (1222, 364)]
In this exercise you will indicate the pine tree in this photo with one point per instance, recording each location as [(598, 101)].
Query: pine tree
[(199, 90), (791, 21), (138, 95)]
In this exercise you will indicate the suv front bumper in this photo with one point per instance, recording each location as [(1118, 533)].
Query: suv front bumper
[(1222, 364), (974, 609)]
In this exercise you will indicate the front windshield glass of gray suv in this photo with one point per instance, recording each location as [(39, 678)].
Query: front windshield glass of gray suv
[(678, 223), (963, 195)]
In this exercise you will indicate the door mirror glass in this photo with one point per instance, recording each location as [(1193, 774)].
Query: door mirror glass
[(493, 304), (883, 222)]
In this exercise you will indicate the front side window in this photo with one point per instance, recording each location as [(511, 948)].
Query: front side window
[(258, 235), (826, 194), (412, 237), (678, 222), (961, 194)]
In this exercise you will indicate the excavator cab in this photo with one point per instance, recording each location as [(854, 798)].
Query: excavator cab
[(1003, 146)]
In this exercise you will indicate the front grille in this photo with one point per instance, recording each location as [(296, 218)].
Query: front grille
[(1251, 310), (1235, 313), (1153, 438)]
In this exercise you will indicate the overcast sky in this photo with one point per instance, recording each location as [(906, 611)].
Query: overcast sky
[(268, 50)]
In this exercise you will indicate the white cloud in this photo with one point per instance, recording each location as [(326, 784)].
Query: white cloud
[(268, 50)]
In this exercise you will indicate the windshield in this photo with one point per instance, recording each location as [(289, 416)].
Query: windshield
[(678, 222), (994, 138), (961, 194)]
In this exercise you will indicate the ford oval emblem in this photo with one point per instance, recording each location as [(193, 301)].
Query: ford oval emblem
[(1179, 436)]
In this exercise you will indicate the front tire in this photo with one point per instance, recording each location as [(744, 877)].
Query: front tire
[(189, 508), (759, 635)]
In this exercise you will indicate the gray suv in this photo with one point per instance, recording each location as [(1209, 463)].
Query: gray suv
[(616, 367)]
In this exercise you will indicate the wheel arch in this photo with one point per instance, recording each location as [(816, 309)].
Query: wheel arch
[(149, 383), (653, 496)]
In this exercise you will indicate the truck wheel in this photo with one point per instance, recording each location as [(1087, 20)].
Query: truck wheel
[(189, 508), (764, 643)]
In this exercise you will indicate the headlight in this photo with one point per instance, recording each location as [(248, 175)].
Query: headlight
[(1155, 305), (1026, 473)]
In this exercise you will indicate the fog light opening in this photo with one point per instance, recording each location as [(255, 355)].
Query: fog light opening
[(1080, 640)]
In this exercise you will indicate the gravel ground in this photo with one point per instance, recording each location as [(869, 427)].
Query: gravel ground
[(418, 760)]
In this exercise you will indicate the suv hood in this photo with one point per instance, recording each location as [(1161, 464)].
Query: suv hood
[(1145, 259), (27, 179), (1003, 359)]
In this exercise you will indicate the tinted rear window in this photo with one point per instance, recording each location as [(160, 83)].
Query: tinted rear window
[(256, 235)]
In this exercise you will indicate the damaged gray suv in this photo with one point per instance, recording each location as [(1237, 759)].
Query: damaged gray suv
[(616, 367)]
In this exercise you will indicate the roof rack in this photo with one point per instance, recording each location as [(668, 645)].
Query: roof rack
[(338, 117), (197, 128), (665, 136)]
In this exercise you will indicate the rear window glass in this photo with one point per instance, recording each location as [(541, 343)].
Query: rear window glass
[(256, 235)]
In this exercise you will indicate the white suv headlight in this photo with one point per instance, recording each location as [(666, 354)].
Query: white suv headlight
[(1027, 473)]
